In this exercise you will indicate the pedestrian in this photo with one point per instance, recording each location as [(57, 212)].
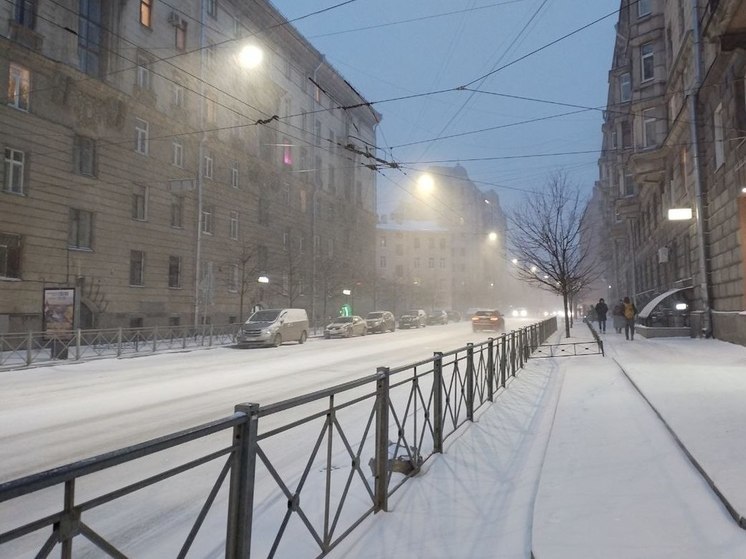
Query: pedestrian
[(601, 309), (618, 316), (630, 311)]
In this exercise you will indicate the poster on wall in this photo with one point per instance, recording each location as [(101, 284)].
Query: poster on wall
[(59, 311)]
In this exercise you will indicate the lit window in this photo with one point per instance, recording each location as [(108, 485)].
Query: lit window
[(19, 87), (141, 136), (14, 166), (146, 12), (287, 152)]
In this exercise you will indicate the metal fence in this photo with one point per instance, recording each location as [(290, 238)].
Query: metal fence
[(288, 479), (34, 348)]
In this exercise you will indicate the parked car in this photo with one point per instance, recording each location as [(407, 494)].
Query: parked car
[(437, 316), (453, 316), (488, 320), (380, 321), (414, 318), (346, 326), (272, 327)]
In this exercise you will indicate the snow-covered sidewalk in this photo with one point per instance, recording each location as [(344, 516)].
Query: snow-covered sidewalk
[(571, 462)]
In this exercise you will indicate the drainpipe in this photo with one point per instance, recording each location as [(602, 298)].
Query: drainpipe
[(699, 195), (313, 217), (200, 155)]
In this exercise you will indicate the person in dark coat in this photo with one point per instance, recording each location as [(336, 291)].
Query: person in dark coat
[(617, 315), (601, 310)]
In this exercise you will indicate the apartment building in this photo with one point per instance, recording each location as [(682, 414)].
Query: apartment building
[(673, 140), (153, 171), (467, 227)]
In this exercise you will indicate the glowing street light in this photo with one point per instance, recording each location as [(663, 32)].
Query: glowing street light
[(492, 236), (250, 56), (262, 279), (425, 184), (346, 292), (514, 261)]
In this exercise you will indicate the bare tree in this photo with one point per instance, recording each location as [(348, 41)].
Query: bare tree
[(291, 265), (332, 278), (244, 280), (546, 236)]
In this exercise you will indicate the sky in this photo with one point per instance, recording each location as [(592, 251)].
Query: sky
[(389, 49), (568, 460)]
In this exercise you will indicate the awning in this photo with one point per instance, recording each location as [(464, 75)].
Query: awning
[(656, 300)]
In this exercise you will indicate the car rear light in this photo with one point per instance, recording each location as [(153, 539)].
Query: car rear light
[(494, 318), (475, 318)]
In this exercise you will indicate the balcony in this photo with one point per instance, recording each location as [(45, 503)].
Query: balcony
[(649, 165), (726, 20), (627, 207)]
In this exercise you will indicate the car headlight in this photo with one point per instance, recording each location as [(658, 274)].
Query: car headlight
[(514, 313), (524, 312)]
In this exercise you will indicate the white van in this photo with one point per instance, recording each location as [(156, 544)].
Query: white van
[(272, 327)]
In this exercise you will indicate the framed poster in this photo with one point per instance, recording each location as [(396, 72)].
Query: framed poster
[(59, 311)]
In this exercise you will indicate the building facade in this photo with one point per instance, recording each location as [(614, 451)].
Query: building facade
[(448, 245), (673, 140), (151, 170)]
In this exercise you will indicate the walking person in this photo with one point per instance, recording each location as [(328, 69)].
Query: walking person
[(630, 312), (617, 315), (601, 309)]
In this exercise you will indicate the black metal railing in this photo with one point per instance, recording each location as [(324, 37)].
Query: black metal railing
[(288, 479)]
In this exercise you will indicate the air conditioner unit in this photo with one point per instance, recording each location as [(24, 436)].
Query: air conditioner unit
[(662, 255)]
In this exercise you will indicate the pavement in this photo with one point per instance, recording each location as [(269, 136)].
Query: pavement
[(638, 454)]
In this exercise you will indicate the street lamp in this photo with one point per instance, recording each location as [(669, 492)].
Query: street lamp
[(492, 236), (425, 183), (250, 56)]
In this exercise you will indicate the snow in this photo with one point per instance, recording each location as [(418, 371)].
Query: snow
[(568, 462)]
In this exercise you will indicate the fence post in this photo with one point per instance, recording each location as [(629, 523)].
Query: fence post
[(119, 342), (470, 381), (211, 331), (438, 402), (155, 339), (78, 335), (382, 440), (185, 331), (241, 490), (503, 358), (512, 353), (29, 342), (490, 370)]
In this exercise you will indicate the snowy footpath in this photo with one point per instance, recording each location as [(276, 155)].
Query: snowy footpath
[(638, 454)]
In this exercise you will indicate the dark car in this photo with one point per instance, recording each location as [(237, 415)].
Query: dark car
[(380, 321), (453, 316), (437, 317), (414, 318), (488, 320)]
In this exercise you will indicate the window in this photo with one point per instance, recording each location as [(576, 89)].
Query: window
[(399, 250), (399, 271), (317, 132), (212, 8), (85, 156), (14, 165), (317, 172), (717, 120), (442, 244), (177, 212), (207, 220), (301, 244), (647, 62), (316, 245), (233, 279), (142, 136), (143, 80), (234, 174), (177, 153), (263, 209), (628, 185), (286, 240), (180, 35), (626, 134), (208, 164), (146, 12), (10, 256), (625, 87), (177, 95), (174, 271), (287, 152), (26, 13), (643, 8), (417, 262), (211, 111), (19, 87), (80, 231), (648, 128), (431, 263), (442, 262), (140, 203), (383, 241), (233, 225), (89, 37), (137, 267), (382, 261)]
